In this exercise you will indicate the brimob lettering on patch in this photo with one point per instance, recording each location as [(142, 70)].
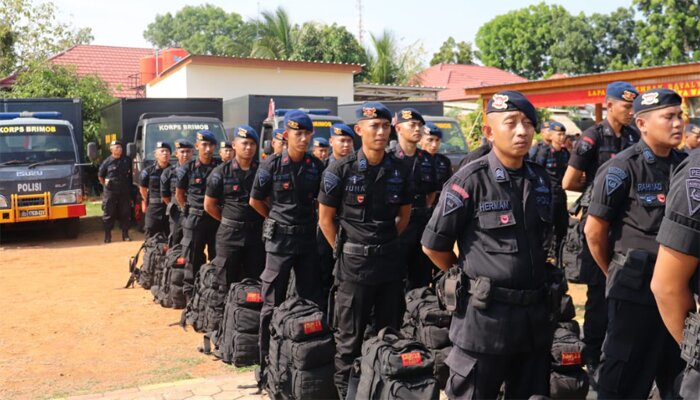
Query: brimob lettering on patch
[(451, 204), (263, 176), (330, 181), (619, 172), (692, 187)]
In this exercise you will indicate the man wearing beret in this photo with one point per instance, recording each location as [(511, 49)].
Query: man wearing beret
[(239, 243), (115, 176), (422, 182), (279, 141), (225, 151), (364, 205), (692, 138), (341, 140), (554, 157), (545, 142), (430, 142), (284, 192), (168, 185), (627, 207), (320, 149), (597, 145), (199, 228), (149, 188), (498, 211)]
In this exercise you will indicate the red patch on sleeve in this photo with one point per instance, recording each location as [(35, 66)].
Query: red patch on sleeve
[(411, 359), (313, 327), (460, 191), (589, 140)]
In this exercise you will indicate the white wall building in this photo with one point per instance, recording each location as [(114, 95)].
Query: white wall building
[(231, 77)]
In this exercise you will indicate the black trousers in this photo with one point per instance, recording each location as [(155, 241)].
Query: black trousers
[(199, 232), (595, 316), (327, 263), (355, 303), (418, 266), (243, 251), (638, 351), (275, 279), (156, 221), (480, 376), (116, 206), (175, 219)]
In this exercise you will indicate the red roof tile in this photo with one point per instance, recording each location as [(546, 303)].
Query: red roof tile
[(115, 65), (456, 77)]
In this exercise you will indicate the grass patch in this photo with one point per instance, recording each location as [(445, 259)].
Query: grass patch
[(93, 208), (240, 369)]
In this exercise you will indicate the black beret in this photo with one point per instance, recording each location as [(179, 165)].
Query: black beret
[(339, 129), (655, 99), (372, 110), (557, 126), (621, 91), (225, 145), (163, 145), (692, 128), (409, 114), (511, 100), (116, 142), (433, 130), (298, 119), (183, 144), (206, 136), (246, 132)]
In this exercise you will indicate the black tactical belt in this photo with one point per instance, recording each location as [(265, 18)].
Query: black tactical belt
[(294, 229), (195, 211), (370, 250), (515, 296), (235, 224), (154, 200)]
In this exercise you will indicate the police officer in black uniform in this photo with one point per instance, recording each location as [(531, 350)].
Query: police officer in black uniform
[(422, 182), (498, 210), (430, 142), (320, 149), (597, 145), (692, 138), (554, 157), (284, 192), (226, 151), (239, 237), (115, 176), (341, 140), (543, 143), (676, 278), (149, 187), (368, 194), (629, 196), (168, 186), (198, 228)]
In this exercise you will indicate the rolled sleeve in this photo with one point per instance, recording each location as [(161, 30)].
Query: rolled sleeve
[(610, 190), (331, 189), (215, 185), (680, 237), (262, 186), (183, 177), (449, 219), (143, 178)]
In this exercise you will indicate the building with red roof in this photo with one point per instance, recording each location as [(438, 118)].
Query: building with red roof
[(456, 77)]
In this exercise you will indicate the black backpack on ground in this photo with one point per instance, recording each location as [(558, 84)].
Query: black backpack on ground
[(169, 292), (568, 380), (206, 307), (393, 367), (153, 249), (302, 352), (569, 255), (426, 322), (236, 340)]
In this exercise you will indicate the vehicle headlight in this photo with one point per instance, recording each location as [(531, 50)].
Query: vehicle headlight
[(68, 197), (3, 202)]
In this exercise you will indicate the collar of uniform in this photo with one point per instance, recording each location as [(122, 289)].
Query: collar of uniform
[(498, 171), (645, 151), (363, 164), (234, 164), (607, 129)]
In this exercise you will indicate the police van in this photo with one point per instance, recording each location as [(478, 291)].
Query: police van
[(41, 152)]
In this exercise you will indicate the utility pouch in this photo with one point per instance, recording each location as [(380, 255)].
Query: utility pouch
[(452, 289), (480, 289), (268, 229), (690, 345)]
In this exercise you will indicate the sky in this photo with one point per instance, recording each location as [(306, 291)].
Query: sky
[(122, 22)]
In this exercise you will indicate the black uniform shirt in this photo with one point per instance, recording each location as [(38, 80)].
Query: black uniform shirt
[(421, 177), (630, 193), (597, 145), (554, 162), (680, 228), (168, 181), (192, 177), (150, 178), (117, 173), (443, 169), (232, 185), (500, 231), (292, 186)]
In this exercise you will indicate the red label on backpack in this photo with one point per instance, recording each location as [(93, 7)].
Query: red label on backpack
[(165, 248), (181, 261), (313, 327), (253, 297), (573, 358), (411, 359)]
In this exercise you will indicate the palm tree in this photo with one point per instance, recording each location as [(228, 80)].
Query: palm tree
[(276, 35)]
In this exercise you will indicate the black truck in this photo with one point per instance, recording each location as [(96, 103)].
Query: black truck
[(41, 152), (265, 112), (454, 144), (140, 123)]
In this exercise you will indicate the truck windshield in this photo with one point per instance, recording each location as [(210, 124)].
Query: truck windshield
[(452, 138), (169, 132), (23, 143)]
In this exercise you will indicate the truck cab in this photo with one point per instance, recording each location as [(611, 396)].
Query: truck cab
[(322, 120), (40, 177), (453, 143)]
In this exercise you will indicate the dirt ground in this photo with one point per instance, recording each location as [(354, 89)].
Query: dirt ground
[(70, 327)]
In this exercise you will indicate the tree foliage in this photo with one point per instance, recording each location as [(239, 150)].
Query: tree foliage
[(669, 33), (389, 63), (452, 52), (32, 32), (58, 81)]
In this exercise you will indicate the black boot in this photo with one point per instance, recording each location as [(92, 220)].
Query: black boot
[(125, 236), (108, 236)]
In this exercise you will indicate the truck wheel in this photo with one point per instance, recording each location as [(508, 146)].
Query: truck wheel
[(71, 228)]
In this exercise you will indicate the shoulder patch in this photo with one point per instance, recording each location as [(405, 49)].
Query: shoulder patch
[(451, 203), (692, 187), (694, 172), (330, 181), (263, 176)]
